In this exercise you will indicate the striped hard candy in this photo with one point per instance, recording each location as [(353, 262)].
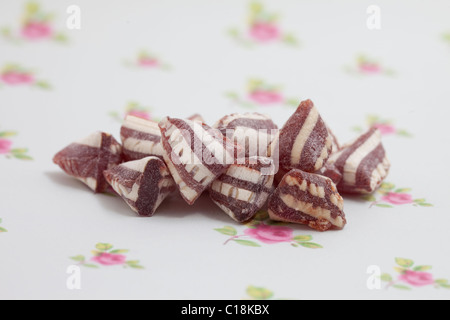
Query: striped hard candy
[(244, 188), (140, 138), (309, 199), (331, 171), (143, 184), (87, 158), (253, 131), (195, 154), (304, 142), (363, 164)]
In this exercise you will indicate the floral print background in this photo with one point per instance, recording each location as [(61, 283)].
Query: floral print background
[(7, 148), (13, 74), (260, 93), (105, 255), (146, 60), (263, 27), (36, 25), (266, 231), (367, 66), (409, 276), (153, 59)]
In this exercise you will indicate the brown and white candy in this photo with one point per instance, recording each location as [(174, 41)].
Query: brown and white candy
[(254, 131), (244, 188), (140, 138), (87, 158), (363, 164), (195, 154), (309, 199), (304, 142), (143, 184), (329, 170)]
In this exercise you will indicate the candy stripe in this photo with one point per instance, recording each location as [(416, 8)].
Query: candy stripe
[(370, 164), (341, 158), (303, 135), (140, 138), (317, 147), (363, 164), (127, 133), (195, 155), (141, 125), (143, 184), (88, 158), (253, 131), (242, 190), (356, 157), (308, 199), (304, 142)]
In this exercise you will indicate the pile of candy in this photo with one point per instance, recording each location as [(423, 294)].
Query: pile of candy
[(244, 161)]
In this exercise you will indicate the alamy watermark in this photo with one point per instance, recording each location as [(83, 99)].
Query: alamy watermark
[(73, 281), (373, 21), (73, 21), (374, 280)]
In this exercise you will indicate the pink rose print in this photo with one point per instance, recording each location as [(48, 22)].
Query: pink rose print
[(133, 109), (106, 256), (262, 28), (270, 234), (260, 93), (264, 32), (147, 60), (35, 25), (397, 198), (385, 128), (410, 276), (5, 146), (8, 151), (390, 196), (266, 97), (17, 78), (417, 278), (265, 231), (37, 31), (109, 259), (16, 75), (368, 66)]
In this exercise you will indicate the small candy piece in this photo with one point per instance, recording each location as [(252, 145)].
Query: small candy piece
[(254, 131), (244, 188), (329, 170), (88, 158), (195, 154), (196, 117), (304, 142), (307, 198), (140, 138), (143, 184), (363, 164)]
